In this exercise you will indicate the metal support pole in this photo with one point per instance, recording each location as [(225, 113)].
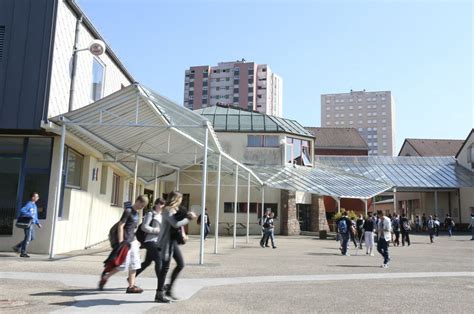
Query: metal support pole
[(365, 207), (263, 205), (234, 242), (436, 202), (155, 190), (203, 195), (338, 200), (395, 200), (248, 208), (59, 181), (177, 180), (135, 175), (218, 203)]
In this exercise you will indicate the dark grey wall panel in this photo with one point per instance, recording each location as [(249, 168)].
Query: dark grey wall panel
[(25, 68)]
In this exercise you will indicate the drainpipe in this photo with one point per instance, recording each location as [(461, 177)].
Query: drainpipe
[(74, 64)]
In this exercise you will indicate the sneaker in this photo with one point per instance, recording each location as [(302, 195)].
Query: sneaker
[(366, 253), (102, 283), (274, 247), (160, 297), (384, 266), (24, 255), (261, 244), (372, 254), (347, 254), (134, 289), (266, 245)]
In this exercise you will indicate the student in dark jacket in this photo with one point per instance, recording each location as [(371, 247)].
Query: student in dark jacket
[(369, 234), (405, 229), (343, 228)]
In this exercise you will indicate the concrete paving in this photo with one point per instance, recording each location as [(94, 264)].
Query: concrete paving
[(303, 274)]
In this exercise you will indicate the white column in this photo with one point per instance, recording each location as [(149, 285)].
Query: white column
[(177, 179), (234, 242), (394, 200), (365, 207), (135, 175), (248, 208), (218, 203), (155, 190), (436, 202), (203, 195), (59, 181), (338, 200), (263, 205)]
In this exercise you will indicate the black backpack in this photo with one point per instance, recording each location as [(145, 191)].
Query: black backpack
[(113, 237), (140, 234)]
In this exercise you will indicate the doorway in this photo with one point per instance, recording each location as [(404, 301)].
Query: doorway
[(304, 216)]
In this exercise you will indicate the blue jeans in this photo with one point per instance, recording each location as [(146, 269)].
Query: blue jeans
[(207, 229), (345, 243), (29, 236), (269, 234), (382, 248), (450, 230)]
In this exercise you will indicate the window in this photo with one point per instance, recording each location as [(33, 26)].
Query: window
[(360, 129), (351, 122), (351, 114), (351, 100), (342, 100), (369, 136), (328, 116), (360, 122), (272, 141), (97, 88), (254, 140), (383, 98), (328, 101), (298, 151), (384, 129), (351, 107), (384, 113), (73, 168), (328, 123), (369, 114), (255, 208), (360, 114), (384, 121), (359, 107), (328, 108), (2, 39), (374, 121), (342, 122), (337, 100), (114, 200), (337, 122), (383, 106), (384, 144)]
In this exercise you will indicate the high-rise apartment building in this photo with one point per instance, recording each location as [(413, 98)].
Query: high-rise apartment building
[(244, 84), (371, 113)]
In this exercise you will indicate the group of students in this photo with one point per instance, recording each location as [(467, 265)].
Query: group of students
[(268, 229), (432, 225), (163, 226), (379, 226)]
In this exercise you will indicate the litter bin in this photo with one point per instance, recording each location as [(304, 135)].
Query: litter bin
[(323, 234)]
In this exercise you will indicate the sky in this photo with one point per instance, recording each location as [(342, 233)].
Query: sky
[(422, 51)]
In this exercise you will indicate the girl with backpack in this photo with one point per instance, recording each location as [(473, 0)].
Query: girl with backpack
[(168, 243), (405, 229), (431, 228), (151, 228)]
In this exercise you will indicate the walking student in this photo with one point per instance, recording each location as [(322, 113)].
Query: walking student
[(383, 230), (396, 229), (151, 226), (417, 224), (449, 223), (405, 229), (126, 237), (270, 230), (472, 226), (174, 219), (264, 223), (437, 225), (369, 235), (30, 211), (343, 228), (424, 222), (207, 223), (431, 225), (360, 229)]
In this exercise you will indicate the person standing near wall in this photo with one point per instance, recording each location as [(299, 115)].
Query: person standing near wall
[(30, 211), (417, 224), (270, 230), (207, 223), (396, 229)]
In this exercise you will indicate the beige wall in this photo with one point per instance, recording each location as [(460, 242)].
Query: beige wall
[(61, 67)]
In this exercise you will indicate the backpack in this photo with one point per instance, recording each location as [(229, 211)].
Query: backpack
[(113, 237), (406, 226), (396, 225), (431, 224), (140, 234), (342, 226)]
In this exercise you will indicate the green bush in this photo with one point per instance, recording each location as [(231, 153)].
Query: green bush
[(351, 214)]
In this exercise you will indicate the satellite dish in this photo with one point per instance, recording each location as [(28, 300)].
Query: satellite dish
[(97, 47)]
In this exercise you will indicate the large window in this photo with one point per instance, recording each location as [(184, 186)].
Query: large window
[(263, 141), (255, 208), (114, 200), (97, 79), (298, 151), (73, 168), (24, 168)]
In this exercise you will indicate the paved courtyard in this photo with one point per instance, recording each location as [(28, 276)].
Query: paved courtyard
[(303, 274)]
